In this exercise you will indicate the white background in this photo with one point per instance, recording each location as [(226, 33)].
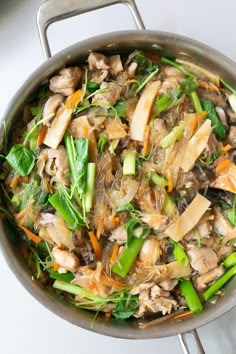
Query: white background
[(25, 326)]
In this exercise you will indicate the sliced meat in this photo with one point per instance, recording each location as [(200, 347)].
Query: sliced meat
[(67, 81), (222, 225), (66, 259), (108, 98), (115, 129), (98, 76), (202, 259), (155, 220), (202, 281), (168, 284)]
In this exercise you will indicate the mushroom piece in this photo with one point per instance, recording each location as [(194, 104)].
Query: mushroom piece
[(66, 259), (202, 281), (51, 106), (66, 81), (54, 162)]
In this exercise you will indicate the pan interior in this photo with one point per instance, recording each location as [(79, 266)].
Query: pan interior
[(118, 42)]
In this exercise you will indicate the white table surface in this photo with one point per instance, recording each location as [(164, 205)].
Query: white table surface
[(26, 327)]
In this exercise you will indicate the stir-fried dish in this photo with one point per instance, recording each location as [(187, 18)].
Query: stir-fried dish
[(119, 185)]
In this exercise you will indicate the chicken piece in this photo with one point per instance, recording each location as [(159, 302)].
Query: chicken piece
[(56, 229), (66, 259), (97, 61), (202, 281), (202, 259), (141, 287), (171, 83), (168, 284), (51, 106), (98, 76), (108, 98), (54, 162), (119, 235), (150, 251), (56, 131), (159, 304), (156, 291), (155, 220), (231, 139), (66, 81)]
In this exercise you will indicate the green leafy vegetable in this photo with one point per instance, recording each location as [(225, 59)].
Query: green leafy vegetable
[(229, 87), (126, 305), (77, 152), (190, 295), (21, 159), (144, 81), (10, 229), (119, 109), (130, 208), (187, 86), (219, 129), (36, 110), (92, 87), (219, 283), (142, 61), (173, 63)]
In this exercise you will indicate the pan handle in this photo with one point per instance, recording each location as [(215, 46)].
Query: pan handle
[(196, 340), (55, 10)]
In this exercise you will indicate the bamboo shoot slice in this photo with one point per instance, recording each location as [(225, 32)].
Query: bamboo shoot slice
[(142, 110)]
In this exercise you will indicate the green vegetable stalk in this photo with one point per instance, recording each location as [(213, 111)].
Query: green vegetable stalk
[(129, 165), (219, 129), (88, 198), (219, 283), (173, 136), (230, 261), (66, 210), (190, 295), (128, 256), (196, 101), (179, 253), (158, 180), (164, 102)]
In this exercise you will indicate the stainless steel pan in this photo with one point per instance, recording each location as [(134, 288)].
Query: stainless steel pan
[(162, 42)]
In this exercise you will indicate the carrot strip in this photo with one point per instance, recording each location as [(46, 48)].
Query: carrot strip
[(146, 144), (182, 315), (226, 148), (170, 182), (14, 181), (114, 253), (41, 135), (222, 166), (99, 228), (74, 99), (30, 234), (56, 266), (107, 316), (95, 244), (116, 219), (207, 86)]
